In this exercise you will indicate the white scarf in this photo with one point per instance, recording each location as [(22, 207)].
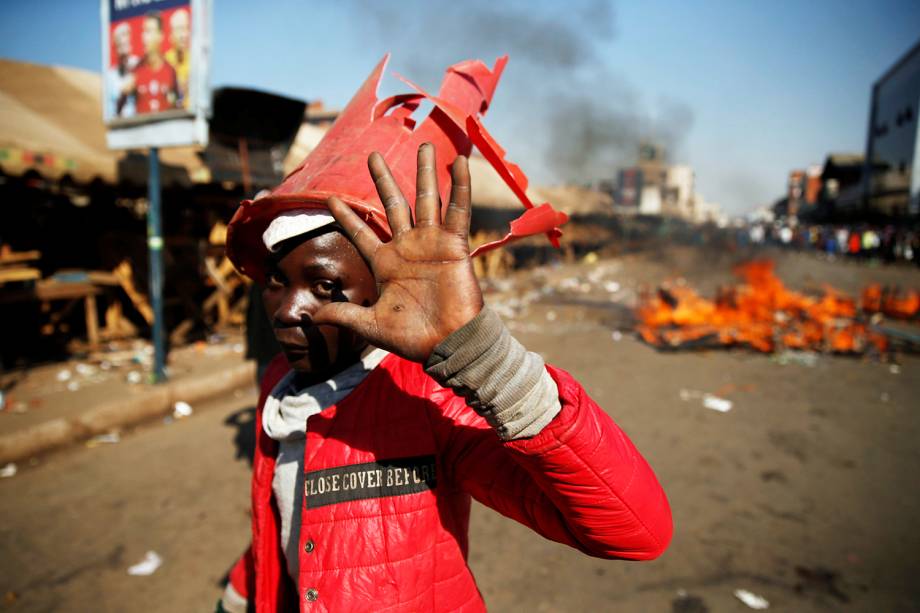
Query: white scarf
[(284, 416)]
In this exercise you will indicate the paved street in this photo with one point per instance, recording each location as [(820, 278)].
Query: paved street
[(804, 493), (73, 524)]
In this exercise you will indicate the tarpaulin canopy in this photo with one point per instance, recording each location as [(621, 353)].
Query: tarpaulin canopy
[(52, 124)]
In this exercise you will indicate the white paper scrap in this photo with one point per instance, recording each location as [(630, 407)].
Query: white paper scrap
[(717, 404), (182, 409), (147, 566), (752, 600)]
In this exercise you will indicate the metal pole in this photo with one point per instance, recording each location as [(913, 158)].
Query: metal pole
[(155, 248), (244, 167)]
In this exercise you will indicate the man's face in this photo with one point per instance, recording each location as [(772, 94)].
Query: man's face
[(178, 29), (152, 36), (322, 269)]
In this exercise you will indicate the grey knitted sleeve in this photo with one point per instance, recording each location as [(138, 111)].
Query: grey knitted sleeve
[(498, 377)]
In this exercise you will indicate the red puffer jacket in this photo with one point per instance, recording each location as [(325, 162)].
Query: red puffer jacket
[(389, 474)]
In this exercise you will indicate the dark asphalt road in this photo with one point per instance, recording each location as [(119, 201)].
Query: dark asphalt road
[(805, 492)]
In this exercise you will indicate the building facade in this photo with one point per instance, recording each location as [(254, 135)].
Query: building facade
[(891, 174)]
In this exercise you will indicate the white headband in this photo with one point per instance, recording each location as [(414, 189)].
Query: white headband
[(294, 223)]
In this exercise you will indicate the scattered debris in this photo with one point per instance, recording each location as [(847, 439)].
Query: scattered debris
[(894, 369), (799, 358), (717, 404), (688, 603), (570, 283), (551, 316), (821, 580), (73, 386), (617, 336), (505, 311), (752, 600), (2, 401), (709, 401), (149, 565), (773, 475), (134, 377), (181, 409), (733, 388), (85, 370), (64, 375), (109, 438), (8, 471), (899, 335)]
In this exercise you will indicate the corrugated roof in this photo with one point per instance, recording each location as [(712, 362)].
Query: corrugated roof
[(52, 123)]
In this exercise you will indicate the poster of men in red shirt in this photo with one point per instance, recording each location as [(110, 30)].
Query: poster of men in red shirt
[(149, 59)]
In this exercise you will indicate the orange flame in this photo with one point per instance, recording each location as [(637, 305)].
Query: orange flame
[(763, 314), (890, 302)]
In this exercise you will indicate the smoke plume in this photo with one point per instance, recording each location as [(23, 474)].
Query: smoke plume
[(567, 103)]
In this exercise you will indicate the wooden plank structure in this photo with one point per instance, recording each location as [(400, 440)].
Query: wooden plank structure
[(13, 266), (224, 306), (47, 291), (226, 281)]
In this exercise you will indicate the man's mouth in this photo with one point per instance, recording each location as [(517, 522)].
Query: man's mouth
[(294, 348)]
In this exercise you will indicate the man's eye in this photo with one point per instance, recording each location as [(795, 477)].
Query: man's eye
[(274, 280), (325, 287)]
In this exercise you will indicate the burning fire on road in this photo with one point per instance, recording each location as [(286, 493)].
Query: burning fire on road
[(762, 314)]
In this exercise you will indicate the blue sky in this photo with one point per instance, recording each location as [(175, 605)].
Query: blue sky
[(764, 87)]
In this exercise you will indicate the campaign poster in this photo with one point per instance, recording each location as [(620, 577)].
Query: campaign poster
[(154, 65)]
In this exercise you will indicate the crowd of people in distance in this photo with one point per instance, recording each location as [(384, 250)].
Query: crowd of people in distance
[(888, 243), (159, 80)]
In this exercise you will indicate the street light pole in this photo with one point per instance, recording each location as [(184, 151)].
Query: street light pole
[(155, 249)]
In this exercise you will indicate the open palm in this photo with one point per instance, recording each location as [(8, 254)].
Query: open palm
[(424, 275)]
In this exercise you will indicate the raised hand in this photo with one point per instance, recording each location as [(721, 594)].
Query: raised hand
[(424, 275)]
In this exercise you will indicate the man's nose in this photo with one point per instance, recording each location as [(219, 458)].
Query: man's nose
[(296, 308)]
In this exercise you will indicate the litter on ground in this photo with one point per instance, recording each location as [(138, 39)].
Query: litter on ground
[(149, 565), (752, 600), (709, 401), (717, 404), (109, 438), (181, 409)]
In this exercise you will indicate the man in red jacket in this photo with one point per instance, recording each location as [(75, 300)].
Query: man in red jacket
[(399, 397)]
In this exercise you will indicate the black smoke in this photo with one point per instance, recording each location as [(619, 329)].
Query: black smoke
[(568, 102)]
